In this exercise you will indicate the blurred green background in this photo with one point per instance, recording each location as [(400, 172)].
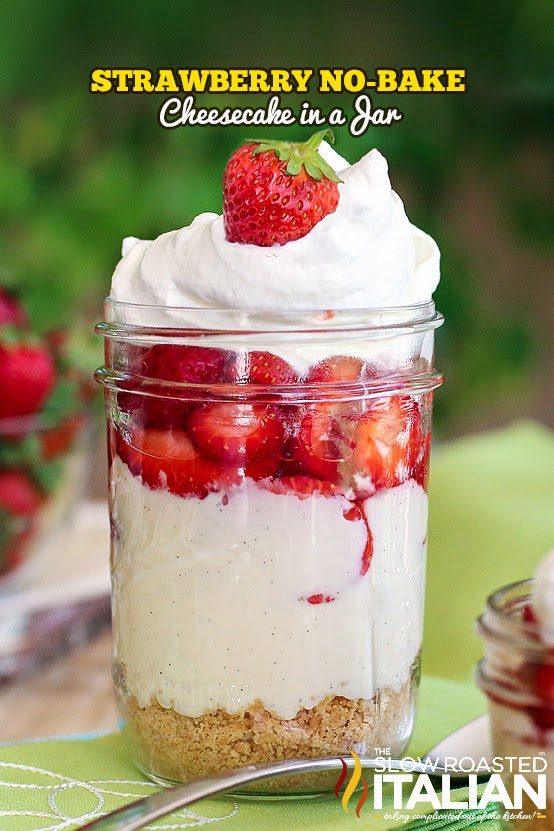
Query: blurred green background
[(79, 171)]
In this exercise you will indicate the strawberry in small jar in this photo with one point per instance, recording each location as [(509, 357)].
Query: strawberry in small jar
[(42, 426), (517, 675), (268, 380)]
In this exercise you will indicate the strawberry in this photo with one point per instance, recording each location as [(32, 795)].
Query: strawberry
[(237, 434), (544, 683), (367, 553), (190, 364), (264, 368), (276, 191), (316, 599), (12, 312), (528, 614), (156, 410), (317, 450), (354, 514), (263, 467), (420, 472), (336, 370), (543, 716), (56, 441), (18, 495), (386, 441), (167, 459), (335, 375), (172, 362), (27, 376), (301, 486), (13, 552)]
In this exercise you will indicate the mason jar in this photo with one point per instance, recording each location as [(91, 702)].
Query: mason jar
[(517, 676), (269, 513)]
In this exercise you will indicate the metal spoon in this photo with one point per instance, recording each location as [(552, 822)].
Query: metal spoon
[(470, 740)]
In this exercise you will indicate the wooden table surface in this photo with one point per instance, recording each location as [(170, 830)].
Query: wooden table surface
[(72, 695)]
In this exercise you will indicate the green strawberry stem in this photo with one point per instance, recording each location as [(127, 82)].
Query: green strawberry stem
[(300, 155)]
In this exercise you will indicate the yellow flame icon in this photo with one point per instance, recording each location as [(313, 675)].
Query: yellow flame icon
[(352, 785)]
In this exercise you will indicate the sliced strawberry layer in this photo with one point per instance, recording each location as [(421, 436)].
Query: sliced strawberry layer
[(188, 364), (334, 374), (167, 459), (262, 468), (386, 442), (261, 368), (171, 362), (237, 434), (336, 370), (317, 448), (155, 410), (301, 486)]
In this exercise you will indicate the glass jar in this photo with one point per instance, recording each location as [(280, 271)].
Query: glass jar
[(268, 511), (517, 676)]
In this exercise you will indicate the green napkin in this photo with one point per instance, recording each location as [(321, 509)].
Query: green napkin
[(58, 785), (490, 521)]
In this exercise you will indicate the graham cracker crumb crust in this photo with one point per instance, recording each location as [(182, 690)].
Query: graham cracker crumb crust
[(178, 748)]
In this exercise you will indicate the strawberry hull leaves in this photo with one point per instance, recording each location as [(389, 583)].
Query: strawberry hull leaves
[(300, 155)]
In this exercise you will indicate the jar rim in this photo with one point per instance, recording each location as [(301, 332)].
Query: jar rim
[(123, 318), (500, 621)]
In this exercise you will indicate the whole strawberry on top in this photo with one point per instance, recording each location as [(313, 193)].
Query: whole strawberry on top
[(276, 191)]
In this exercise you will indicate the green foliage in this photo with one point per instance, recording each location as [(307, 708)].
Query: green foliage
[(78, 172)]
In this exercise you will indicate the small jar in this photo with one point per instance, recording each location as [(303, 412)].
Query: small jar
[(269, 513), (517, 676), (44, 464)]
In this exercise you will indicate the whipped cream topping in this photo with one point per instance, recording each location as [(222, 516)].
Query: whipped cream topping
[(366, 254), (543, 597)]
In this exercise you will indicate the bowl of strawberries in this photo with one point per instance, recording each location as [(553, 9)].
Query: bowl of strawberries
[(44, 429)]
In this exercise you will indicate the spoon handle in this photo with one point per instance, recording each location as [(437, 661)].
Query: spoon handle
[(144, 811)]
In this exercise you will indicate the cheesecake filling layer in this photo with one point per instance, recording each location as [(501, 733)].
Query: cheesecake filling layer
[(212, 596)]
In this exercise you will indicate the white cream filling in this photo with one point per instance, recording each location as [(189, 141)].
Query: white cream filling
[(209, 608)]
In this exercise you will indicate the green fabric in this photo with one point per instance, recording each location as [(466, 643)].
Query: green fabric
[(88, 772), (491, 519)]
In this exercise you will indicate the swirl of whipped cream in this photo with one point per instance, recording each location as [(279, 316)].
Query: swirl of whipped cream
[(366, 254)]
